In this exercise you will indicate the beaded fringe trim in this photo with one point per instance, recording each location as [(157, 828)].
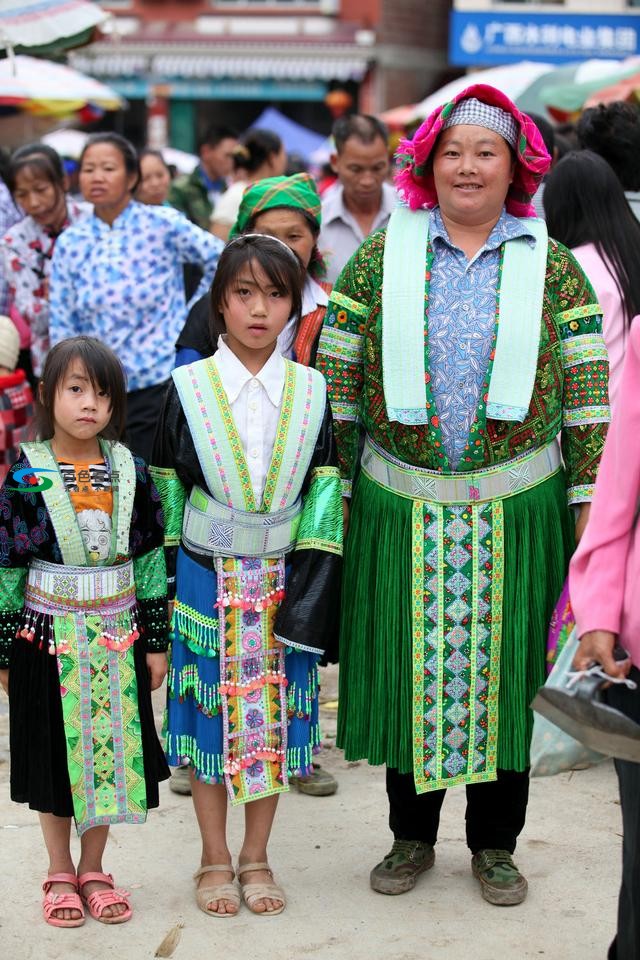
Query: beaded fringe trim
[(209, 768), (200, 633), (188, 683)]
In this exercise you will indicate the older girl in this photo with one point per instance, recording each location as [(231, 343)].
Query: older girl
[(246, 468), (287, 208)]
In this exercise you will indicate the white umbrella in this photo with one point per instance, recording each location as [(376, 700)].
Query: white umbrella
[(46, 89), (182, 161), (512, 79), (68, 143), (48, 25), (323, 153)]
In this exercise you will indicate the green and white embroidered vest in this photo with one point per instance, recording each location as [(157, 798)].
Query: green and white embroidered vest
[(61, 510), (219, 448)]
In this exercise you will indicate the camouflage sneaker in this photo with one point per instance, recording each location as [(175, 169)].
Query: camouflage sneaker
[(399, 870), (500, 880), (319, 783), (180, 781)]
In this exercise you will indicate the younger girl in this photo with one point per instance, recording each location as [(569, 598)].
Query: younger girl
[(37, 182), (83, 616), (247, 474)]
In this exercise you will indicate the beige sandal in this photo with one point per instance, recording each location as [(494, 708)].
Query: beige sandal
[(224, 891), (251, 892)]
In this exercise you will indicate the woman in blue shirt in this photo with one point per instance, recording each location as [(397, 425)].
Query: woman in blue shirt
[(118, 276)]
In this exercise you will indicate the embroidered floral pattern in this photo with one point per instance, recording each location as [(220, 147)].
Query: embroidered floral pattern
[(356, 388)]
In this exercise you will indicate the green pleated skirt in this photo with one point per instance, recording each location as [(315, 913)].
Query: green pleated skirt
[(376, 678)]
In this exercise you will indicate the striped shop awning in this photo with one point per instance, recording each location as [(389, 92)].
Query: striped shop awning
[(317, 64)]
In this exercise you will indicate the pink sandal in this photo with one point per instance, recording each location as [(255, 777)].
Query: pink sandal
[(99, 900), (61, 901)]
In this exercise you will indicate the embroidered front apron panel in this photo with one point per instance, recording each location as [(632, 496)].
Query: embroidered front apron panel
[(93, 630), (252, 686)]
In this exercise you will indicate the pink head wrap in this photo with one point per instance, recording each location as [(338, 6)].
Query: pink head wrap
[(414, 178)]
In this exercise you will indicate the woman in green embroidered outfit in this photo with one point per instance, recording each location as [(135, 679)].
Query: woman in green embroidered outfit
[(247, 470), (465, 341), (83, 610)]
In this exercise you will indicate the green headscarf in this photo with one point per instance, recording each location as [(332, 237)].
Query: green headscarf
[(298, 192)]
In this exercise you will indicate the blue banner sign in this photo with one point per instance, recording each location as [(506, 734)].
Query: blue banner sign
[(490, 38)]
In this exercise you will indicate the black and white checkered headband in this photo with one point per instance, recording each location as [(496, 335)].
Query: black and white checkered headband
[(478, 114)]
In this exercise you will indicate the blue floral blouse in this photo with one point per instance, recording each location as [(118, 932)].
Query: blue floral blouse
[(124, 285), (462, 317)]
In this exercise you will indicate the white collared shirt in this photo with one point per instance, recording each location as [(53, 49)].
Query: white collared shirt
[(255, 403), (341, 234)]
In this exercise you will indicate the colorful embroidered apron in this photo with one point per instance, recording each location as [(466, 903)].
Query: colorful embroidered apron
[(457, 596), (250, 588), (92, 634)]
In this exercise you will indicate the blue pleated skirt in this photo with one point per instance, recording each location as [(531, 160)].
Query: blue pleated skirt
[(194, 719)]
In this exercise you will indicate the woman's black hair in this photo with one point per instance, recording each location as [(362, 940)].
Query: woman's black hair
[(584, 203), (40, 158), (317, 266), (124, 146), (105, 373), (150, 152), (281, 265), (612, 130), (256, 148)]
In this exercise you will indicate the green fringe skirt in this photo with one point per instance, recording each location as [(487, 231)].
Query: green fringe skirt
[(376, 694)]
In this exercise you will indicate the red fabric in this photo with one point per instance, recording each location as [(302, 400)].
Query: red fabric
[(414, 179), (16, 415), (12, 379), (308, 331)]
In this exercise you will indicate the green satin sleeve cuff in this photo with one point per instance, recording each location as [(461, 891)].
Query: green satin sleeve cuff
[(321, 521), (12, 584), (173, 496), (150, 574)]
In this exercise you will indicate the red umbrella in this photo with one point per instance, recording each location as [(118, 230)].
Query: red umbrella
[(627, 89)]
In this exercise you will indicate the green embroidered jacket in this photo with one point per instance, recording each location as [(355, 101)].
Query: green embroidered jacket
[(27, 533), (570, 393)]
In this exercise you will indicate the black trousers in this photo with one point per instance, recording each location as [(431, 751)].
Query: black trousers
[(144, 408), (626, 945), (495, 815)]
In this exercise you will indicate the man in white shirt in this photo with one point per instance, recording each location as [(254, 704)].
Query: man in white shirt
[(362, 200)]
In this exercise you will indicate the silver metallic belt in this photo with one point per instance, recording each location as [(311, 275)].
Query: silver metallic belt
[(220, 531), (54, 588), (476, 486)]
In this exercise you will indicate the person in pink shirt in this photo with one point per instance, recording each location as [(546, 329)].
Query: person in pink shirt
[(587, 211), (604, 581)]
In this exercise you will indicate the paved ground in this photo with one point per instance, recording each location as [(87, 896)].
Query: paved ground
[(322, 852)]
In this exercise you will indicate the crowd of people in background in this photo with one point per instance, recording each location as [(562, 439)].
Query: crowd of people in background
[(338, 270)]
